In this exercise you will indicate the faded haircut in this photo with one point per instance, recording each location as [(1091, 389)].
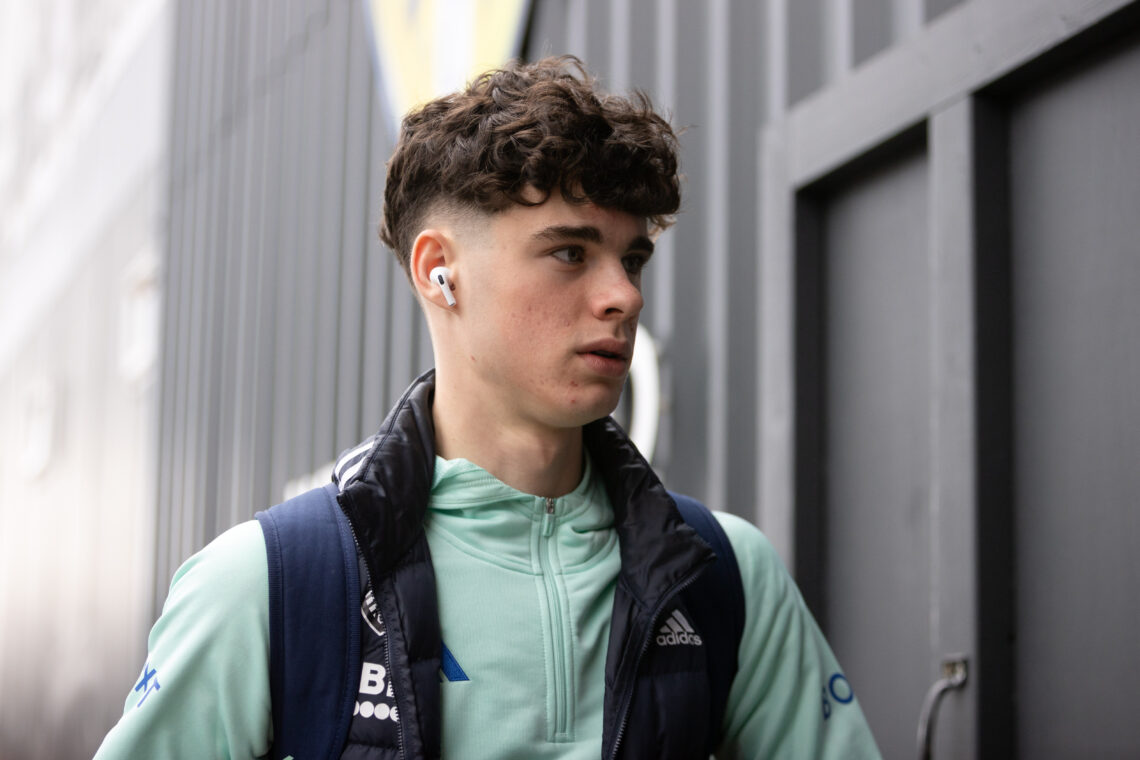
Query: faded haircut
[(527, 127)]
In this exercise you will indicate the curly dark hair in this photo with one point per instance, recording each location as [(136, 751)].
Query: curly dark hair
[(530, 126)]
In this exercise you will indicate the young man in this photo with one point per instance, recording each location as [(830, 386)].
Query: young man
[(525, 583)]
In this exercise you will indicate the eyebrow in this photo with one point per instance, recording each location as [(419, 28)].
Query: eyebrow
[(589, 234), (557, 232)]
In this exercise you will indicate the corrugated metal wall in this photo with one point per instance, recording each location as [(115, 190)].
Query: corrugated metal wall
[(275, 359)]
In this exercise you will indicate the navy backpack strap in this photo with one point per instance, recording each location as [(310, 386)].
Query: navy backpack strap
[(716, 599), (314, 646)]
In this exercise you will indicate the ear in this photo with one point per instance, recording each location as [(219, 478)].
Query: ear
[(432, 248)]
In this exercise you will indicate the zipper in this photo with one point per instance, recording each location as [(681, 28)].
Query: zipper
[(384, 626), (558, 626), (657, 610)]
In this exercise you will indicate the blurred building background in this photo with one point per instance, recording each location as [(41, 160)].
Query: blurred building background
[(84, 102), (897, 320)]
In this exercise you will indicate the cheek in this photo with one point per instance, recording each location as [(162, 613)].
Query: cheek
[(535, 320), (514, 338)]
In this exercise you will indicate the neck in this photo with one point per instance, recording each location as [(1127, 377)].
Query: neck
[(537, 460)]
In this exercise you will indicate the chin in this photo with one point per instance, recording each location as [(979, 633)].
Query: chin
[(583, 413)]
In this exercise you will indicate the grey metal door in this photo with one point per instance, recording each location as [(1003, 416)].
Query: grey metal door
[(872, 471), (967, 435), (1075, 224)]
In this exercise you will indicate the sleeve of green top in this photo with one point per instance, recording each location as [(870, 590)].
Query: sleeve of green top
[(790, 697), (204, 690)]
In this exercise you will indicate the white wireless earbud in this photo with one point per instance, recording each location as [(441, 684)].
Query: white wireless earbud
[(441, 276)]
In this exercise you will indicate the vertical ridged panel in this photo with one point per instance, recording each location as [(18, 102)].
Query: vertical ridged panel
[(746, 89), (687, 344), (355, 231), (805, 35)]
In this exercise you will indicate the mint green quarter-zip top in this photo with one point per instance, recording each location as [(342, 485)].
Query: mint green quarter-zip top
[(525, 590), (525, 596)]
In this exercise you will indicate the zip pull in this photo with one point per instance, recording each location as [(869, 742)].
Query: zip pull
[(548, 518)]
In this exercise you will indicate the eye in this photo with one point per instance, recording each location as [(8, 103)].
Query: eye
[(635, 262), (571, 254)]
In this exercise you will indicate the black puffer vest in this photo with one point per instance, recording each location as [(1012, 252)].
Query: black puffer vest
[(657, 699)]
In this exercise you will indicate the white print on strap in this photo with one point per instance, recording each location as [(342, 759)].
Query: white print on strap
[(373, 679), (379, 711)]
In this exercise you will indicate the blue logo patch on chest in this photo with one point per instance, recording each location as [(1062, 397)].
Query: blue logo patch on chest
[(449, 666)]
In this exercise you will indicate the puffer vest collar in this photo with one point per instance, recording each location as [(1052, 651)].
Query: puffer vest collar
[(385, 500)]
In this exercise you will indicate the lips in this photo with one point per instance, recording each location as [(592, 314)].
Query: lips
[(609, 358), (609, 349)]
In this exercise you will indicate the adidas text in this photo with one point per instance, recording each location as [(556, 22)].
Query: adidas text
[(673, 639), (677, 631)]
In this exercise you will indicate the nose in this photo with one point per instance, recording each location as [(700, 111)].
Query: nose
[(618, 293)]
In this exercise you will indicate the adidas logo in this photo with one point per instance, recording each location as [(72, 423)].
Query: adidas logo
[(677, 631)]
